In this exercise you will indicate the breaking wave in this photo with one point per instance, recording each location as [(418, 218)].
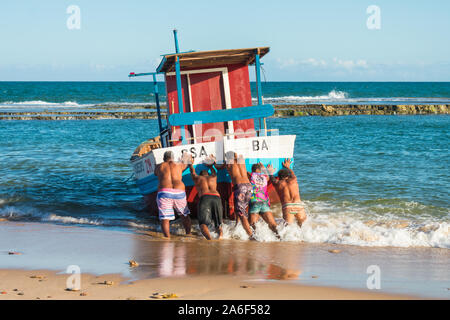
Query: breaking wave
[(332, 96), (38, 103)]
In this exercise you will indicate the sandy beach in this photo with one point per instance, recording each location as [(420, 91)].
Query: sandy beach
[(192, 268), (45, 285)]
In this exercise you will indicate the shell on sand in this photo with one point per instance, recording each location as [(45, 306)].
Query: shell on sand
[(133, 263), (164, 295), (334, 251)]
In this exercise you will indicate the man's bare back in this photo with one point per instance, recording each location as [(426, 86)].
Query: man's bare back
[(237, 170), (287, 189), (205, 183), (170, 175)]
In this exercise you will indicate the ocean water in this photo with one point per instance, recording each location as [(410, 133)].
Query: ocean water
[(367, 180), (19, 96)]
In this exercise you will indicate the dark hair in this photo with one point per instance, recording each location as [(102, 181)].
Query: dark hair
[(168, 155), (256, 166), (204, 173), (284, 173)]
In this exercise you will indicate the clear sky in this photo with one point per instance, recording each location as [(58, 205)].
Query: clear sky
[(315, 40)]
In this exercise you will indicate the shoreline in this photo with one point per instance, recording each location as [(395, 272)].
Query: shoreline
[(217, 269), (280, 111)]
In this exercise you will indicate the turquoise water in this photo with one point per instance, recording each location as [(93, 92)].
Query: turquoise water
[(367, 180), (39, 95)]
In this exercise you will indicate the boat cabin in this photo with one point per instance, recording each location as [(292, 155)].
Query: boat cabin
[(210, 81)]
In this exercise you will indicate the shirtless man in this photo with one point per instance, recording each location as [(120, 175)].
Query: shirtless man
[(242, 188), (171, 193), (288, 191), (210, 204)]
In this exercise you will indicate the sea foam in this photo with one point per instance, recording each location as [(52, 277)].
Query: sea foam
[(38, 103), (332, 96), (355, 227)]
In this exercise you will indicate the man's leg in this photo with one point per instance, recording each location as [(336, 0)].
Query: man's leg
[(204, 215), (186, 220), (181, 207), (241, 206), (268, 217), (288, 218), (165, 227), (254, 217), (166, 213), (205, 231), (220, 232), (217, 214), (301, 217), (245, 224)]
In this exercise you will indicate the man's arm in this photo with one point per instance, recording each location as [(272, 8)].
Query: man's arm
[(270, 171), (189, 163), (213, 171), (264, 169), (156, 172), (287, 165), (186, 160), (193, 173)]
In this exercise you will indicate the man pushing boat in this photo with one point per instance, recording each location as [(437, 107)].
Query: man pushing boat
[(210, 207), (171, 195), (242, 188), (287, 188)]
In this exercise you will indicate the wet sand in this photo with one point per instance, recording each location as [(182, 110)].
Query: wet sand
[(193, 268)]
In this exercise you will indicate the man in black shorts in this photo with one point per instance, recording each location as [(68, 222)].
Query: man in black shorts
[(210, 204)]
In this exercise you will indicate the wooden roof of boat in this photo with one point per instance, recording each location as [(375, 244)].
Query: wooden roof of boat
[(194, 60)]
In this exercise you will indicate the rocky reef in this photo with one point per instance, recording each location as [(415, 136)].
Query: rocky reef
[(280, 111), (359, 109)]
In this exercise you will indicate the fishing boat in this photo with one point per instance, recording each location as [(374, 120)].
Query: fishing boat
[(209, 111)]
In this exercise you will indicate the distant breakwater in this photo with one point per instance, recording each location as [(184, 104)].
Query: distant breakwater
[(359, 109), (280, 111)]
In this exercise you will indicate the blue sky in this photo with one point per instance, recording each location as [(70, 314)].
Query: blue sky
[(320, 40)]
